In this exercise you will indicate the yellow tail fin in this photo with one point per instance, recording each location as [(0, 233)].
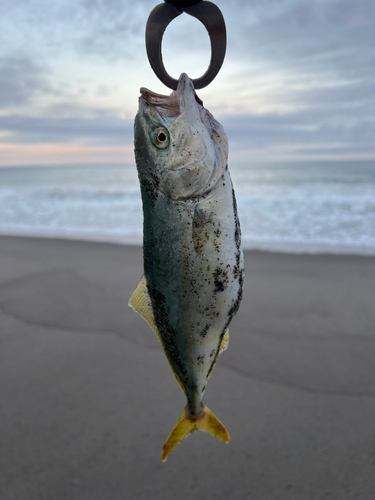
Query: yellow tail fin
[(188, 424)]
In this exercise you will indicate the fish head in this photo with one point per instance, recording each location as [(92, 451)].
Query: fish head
[(181, 150)]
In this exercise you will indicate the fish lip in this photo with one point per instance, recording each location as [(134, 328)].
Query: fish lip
[(150, 96), (171, 105), (165, 106)]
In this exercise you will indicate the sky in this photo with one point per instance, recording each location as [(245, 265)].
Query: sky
[(298, 81)]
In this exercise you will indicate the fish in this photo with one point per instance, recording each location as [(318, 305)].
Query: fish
[(193, 260)]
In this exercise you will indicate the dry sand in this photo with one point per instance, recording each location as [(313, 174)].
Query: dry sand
[(87, 397)]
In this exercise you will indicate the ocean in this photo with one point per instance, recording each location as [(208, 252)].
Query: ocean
[(313, 207)]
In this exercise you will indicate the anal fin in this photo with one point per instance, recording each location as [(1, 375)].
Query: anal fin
[(224, 342), (224, 345)]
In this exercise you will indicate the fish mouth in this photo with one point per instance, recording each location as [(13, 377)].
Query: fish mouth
[(171, 106)]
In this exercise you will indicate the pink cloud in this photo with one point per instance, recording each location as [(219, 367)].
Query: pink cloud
[(55, 154)]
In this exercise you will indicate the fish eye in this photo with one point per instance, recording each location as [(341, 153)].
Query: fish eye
[(160, 137)]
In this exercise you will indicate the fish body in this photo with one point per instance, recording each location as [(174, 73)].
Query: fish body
[(193, 262)]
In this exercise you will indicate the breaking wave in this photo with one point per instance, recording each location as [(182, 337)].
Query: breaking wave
[(294, 208)]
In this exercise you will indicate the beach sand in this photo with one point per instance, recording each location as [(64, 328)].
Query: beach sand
[(87, 397)]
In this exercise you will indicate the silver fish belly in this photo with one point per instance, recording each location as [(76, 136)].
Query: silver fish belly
[(193, 261)]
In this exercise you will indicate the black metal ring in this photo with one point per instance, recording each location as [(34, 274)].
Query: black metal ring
[(182, 4), (212, 18)]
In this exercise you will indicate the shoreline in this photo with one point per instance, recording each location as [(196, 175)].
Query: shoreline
[(263, 246)]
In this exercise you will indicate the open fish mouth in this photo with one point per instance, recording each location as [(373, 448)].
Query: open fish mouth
[(171, 106)]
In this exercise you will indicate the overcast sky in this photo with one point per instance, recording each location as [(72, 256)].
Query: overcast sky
[(298, 81)]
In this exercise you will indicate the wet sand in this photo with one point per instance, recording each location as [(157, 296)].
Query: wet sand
[(87, 397)]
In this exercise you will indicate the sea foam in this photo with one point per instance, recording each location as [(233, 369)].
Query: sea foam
[(296, 207)]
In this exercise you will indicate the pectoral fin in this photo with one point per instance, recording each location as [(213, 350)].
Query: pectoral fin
[(202, 221)]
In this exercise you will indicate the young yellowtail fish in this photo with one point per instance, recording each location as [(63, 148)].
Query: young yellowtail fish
[(193, 262)]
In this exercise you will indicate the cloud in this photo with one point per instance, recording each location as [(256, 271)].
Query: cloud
[(331, 37), (299, 74), (100, 128), (21, 79), (108, 28), (62, 154), (303, 132)]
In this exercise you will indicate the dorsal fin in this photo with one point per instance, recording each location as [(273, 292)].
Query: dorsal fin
[(140, 302)]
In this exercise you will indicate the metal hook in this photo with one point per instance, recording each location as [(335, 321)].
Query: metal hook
[(212, 18)]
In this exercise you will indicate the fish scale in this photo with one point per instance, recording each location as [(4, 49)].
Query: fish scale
[(193, 262)]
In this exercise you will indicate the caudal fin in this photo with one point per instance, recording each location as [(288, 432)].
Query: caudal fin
[(188, 424)]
